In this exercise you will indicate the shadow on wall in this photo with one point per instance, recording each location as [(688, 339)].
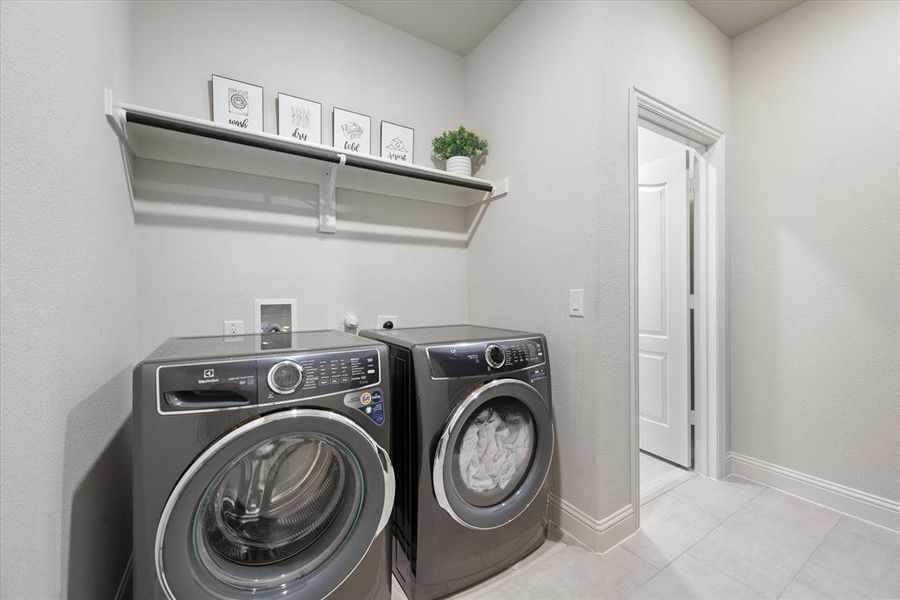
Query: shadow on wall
[(97, 491), (200, 197)]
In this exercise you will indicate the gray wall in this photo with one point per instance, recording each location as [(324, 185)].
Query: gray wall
[(67, 302), (195, 271), (815, 243), (814, 230), (549, 89)]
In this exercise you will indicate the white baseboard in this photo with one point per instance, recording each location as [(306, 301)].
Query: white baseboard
[(847, 500), (597, 536)]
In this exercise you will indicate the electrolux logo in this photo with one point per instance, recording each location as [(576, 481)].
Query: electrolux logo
[(209, 376)]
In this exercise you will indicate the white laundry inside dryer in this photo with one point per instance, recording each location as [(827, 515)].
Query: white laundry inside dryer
[(496, 449)]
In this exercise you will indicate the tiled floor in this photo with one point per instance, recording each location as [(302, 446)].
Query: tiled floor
[(658, 477), (719, 540)]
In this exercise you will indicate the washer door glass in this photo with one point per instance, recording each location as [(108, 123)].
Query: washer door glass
[(292, 497), (493, 451), (285, 505)]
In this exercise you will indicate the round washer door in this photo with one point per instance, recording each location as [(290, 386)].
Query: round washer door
[(494, 455), (286, 506)]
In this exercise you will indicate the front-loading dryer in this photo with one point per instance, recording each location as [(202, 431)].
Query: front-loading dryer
[(261, 468), (473, 440)]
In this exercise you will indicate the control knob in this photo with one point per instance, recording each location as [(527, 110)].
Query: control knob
[(285, 377), (494, 356)]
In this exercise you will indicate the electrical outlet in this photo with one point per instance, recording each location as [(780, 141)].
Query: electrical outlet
[(387, 321), (232, 327)]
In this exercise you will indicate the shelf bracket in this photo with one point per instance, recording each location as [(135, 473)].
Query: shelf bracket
[(327, 204), (116, 120), (501, 188)]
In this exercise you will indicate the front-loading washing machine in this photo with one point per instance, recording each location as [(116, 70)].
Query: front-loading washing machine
[(261, 468), (472, 442)]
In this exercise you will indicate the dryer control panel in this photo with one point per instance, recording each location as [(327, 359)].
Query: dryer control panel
[(471, 359), (264, 380)]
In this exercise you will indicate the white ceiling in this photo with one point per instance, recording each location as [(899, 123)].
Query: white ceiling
[(459, 25), (456, 25), (734, 17)]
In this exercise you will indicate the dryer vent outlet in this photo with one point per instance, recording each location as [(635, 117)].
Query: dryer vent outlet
[(387, 321)]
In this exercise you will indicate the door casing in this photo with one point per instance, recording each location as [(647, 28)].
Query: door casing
[(710, 343)]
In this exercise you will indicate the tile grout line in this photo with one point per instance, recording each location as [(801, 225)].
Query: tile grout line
[(808, 558), (672, 489), (805, 499), (654, 494), (505, 576), (763, 488), (685, 551), (654, 576), (696, 474)]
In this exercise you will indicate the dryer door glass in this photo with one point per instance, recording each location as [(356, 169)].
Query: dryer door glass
[(493, 451), (290, 494), (494, 454)]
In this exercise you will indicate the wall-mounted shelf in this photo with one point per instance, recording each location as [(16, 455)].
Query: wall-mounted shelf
[(164, 136)]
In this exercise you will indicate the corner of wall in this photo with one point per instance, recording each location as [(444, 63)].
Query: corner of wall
[(598, 536)]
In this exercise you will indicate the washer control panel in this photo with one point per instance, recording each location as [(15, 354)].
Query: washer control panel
[(316, 374), (471, 359), (264, 380)]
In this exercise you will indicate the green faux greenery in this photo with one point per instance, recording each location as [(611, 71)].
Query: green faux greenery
[(458, 142)]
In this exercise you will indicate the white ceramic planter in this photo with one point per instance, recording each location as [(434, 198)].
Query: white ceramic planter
[(460, 165)]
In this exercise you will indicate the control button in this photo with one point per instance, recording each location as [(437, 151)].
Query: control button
[(285, 377), (494, 356)]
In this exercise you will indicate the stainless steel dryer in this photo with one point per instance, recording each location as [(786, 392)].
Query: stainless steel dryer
[(261, 470), (472, 442)]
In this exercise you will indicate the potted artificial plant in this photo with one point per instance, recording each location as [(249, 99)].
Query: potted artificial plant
[(459, 147)]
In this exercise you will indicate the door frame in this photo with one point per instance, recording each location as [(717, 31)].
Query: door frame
[(710, 344)]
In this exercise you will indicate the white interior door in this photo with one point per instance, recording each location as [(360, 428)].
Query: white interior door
[(663, 310)]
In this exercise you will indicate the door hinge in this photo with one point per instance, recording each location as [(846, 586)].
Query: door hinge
[(692, 301), (693, 417)]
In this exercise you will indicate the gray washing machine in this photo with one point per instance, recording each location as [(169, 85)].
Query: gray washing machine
[(261, 468), (473, 442)]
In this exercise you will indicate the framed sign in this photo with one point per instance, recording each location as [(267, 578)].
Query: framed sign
[(237, 103), (352, 131), (397, 142), (299, 118)]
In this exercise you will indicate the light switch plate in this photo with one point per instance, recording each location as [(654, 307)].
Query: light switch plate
[(576, 303)]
